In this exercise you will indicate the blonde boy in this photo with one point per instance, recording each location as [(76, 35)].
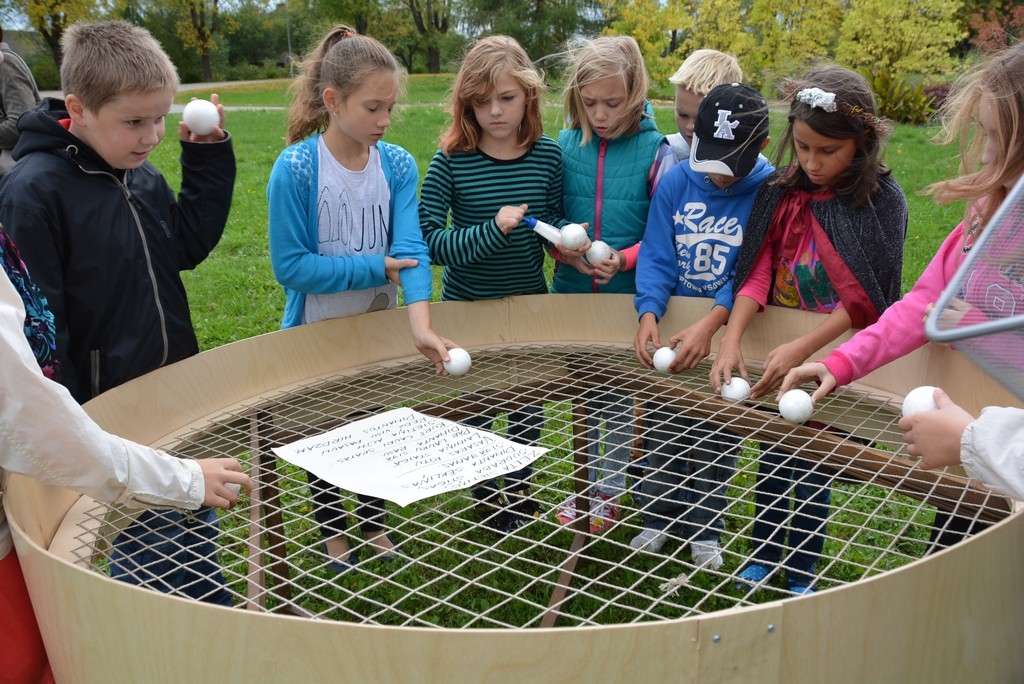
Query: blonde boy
[(105, 238), (698, 74)]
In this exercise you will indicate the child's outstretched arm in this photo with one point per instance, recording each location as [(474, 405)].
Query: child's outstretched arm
[(783, 358), (816, 371), (428, 342)]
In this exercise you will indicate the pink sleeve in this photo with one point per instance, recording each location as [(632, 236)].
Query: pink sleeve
[(758, 283), (630, 255), (900, 328)]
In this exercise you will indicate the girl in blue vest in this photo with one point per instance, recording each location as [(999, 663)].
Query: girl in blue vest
[(344, 227), (612, 157)]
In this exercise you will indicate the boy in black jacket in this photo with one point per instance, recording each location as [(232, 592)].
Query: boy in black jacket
[(105, 239)]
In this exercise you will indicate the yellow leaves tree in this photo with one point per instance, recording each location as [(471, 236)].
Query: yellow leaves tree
[(651, 23), (52, 17), (719, 25), (199, 24), (790, 35), (900, 38)]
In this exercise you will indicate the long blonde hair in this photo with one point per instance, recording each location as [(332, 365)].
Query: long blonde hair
[(599, 58), (343, 60), (999, 82)]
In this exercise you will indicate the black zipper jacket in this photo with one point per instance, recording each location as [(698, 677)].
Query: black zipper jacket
[(107, 246)]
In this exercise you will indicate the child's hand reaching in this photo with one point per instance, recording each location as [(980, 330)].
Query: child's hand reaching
[(777, 364), (809, 371), (218, 473), (647, 335), (728, 359), (935, 435)]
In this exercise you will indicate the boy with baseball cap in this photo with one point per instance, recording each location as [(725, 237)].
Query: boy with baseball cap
[(693, 236)]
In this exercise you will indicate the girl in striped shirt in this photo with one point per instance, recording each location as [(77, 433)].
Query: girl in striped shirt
[(493, 166)]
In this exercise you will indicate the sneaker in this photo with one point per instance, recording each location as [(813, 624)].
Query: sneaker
[(751, 575), (604, 513), (649, 540), (508, 512), (521, 504), (566, 511), (706, 555)]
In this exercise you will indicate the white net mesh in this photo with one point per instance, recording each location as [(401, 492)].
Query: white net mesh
[(981, 310), (460, 572)]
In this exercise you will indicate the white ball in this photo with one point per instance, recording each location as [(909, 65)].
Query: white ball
[(201, 116), (598, 252), (573, 236), (796, 406), (737, 389), (919, 399), (459, 361), (663, 358)]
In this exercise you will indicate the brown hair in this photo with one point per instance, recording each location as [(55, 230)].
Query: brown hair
[(343, 60), (599, 58), (483, 63), (853, 115), (108, 59)]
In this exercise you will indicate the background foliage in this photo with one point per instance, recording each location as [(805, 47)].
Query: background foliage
[(920, 41)]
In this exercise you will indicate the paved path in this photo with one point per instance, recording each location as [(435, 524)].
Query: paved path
[(184, 87)]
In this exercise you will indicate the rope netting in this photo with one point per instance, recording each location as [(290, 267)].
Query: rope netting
[(453, 569)]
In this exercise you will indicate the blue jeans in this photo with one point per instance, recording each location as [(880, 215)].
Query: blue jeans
[(172, 552), (524, 427), (689, 466), (782, 478), (607, 471)]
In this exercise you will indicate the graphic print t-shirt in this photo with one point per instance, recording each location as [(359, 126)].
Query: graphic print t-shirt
[(353, 214)]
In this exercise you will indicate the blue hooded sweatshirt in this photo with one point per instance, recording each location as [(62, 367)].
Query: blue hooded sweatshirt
[(693, 237)]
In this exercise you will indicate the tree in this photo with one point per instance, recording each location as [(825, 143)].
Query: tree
[(900, 38), (718, 25), (994, 26), (432, 19), (647, 21), (540, 26), (791, 34), (198, 25), (51, 18)]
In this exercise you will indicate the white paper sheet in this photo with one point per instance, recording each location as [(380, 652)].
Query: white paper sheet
[(405, 456)]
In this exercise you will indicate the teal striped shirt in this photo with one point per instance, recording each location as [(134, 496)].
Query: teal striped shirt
[(459, 199)]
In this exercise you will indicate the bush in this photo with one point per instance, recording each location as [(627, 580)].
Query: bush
[(900, 100), (938, 93), (44, 71)]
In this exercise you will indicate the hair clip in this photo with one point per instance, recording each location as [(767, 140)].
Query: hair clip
[(816, 97)]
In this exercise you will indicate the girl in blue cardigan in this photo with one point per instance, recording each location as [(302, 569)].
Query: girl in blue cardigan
[(344, 227)]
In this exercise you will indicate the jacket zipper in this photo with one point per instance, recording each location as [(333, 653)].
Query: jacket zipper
[(598, 199), (152, 274)]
